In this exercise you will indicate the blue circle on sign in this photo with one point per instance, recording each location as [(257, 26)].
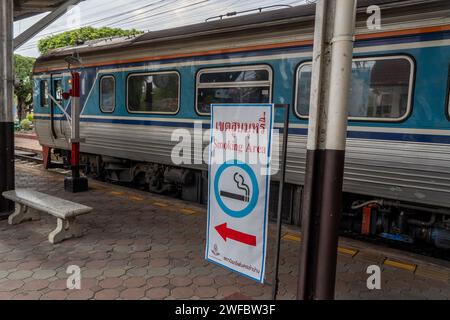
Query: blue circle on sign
[(255, 194)]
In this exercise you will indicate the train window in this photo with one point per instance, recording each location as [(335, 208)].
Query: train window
[(304, 76), (58, 90), (381, 89), (157, 92), (247, 84), (107, 94), (43, 92)]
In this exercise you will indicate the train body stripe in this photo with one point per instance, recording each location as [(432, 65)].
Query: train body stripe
[(354, 133), (175, 122)]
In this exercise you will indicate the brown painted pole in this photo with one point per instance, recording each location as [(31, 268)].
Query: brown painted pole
[(322, 197)]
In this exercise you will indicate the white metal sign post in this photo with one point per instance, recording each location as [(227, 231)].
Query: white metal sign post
[(239, 178)]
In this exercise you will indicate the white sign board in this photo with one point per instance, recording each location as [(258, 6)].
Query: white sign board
[(239, 180)]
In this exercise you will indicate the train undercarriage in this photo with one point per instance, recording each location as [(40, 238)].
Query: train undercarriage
[(391, 220)]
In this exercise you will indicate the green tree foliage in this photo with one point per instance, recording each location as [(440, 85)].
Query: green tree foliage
[(70, 38), (25, 124), (23, 88)]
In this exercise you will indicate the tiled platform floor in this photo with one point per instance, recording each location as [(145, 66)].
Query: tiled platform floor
[(140, 246)]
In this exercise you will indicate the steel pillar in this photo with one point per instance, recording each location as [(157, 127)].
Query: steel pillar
[(6, 104), (75, 183), (322, 197)]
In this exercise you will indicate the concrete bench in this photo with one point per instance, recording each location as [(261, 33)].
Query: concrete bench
[(30, 203)]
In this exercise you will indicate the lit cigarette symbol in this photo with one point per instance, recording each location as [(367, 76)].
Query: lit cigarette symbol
[(241, 185)]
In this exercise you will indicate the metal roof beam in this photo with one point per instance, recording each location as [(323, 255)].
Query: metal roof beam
[(43, 23)]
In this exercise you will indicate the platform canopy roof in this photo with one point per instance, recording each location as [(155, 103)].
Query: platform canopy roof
[(27, 8)]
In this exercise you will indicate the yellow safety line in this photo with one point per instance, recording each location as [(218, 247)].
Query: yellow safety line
[(187, 211), (291, 237), (160, 204), (350, 252), (400, 265), (136, 198), (117, 193)]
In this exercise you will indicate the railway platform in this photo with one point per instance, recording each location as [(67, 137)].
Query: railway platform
[(137, 245), (27, 142)]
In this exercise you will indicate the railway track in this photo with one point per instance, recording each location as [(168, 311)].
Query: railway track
[(28, 156)]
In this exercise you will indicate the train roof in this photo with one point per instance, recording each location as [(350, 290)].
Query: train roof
[(304, 12), (299, 16)]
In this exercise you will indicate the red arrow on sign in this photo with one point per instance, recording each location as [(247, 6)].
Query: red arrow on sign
[(227, 233)]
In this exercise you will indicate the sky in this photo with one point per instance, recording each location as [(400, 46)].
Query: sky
[(145, 15)]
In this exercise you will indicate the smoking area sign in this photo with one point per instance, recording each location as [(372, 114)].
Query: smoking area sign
[(239, 179)]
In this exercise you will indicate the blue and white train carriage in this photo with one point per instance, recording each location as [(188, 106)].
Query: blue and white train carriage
[(136, 91)]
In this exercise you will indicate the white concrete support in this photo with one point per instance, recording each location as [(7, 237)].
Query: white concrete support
[(65, 229), (332, 67), (23, 214), (340, 75), (317, 77)]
